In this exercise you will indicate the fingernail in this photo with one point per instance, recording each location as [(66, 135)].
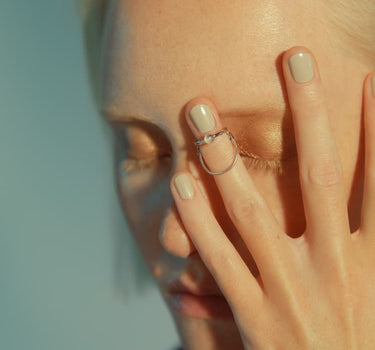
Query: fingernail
[(202, 118), (301, 67), (183, 186), (373, 85)]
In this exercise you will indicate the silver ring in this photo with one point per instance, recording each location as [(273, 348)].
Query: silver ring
[(209, 138)]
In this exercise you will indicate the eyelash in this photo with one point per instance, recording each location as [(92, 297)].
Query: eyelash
[(131, 164), (269, 165)]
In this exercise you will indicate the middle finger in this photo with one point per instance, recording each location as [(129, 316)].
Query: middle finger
[(320, 168)]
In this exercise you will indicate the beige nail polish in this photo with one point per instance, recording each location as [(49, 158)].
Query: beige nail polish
[(184, 187), (373, 85), (301, 67), (202, 118)]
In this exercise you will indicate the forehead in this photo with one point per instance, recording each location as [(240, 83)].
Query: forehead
[(160, 54)]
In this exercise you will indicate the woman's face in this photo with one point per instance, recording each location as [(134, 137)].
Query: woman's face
[(158, 55)]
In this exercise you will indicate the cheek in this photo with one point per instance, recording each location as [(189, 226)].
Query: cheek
[(145, 198)]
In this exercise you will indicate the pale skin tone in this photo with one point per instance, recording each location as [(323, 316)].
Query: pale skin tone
[(310, 230)]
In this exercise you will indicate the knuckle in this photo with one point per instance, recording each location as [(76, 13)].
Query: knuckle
[(312, 101), (243, 210), (325, 174), (219, 260), (220, 155), (371, 175), (314, 97)]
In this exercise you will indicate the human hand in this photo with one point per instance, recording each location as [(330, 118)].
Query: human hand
[(315, 291)]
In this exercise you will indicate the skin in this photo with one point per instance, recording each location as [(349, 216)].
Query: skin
[(160, 59)]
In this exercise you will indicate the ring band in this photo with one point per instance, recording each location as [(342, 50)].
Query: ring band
[(209, 138)]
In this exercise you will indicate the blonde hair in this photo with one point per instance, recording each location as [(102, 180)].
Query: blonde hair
[(131, 272), (93, 14)]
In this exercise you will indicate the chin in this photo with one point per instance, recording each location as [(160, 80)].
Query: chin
[(207, 334)]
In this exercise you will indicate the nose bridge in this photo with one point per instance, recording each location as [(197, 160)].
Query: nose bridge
[(172, 234)]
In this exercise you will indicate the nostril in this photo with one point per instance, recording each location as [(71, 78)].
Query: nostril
[(173, 237)]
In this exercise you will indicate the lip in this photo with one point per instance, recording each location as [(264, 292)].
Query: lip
[(199, 306)]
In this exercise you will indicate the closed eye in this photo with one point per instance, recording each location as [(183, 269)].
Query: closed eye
[(257, 163), (130, 164)]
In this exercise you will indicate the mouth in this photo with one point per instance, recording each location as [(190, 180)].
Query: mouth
[(200, 306), (187, 303)]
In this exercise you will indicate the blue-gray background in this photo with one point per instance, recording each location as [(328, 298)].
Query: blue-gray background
[(64, 247)]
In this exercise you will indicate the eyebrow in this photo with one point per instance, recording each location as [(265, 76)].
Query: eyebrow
[(238, 113), (135, 117)]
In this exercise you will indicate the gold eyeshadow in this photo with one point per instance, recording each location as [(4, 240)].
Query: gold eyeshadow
[(263, 138), (263, 143)]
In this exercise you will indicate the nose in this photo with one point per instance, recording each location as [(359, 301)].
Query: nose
[(173, 237)]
